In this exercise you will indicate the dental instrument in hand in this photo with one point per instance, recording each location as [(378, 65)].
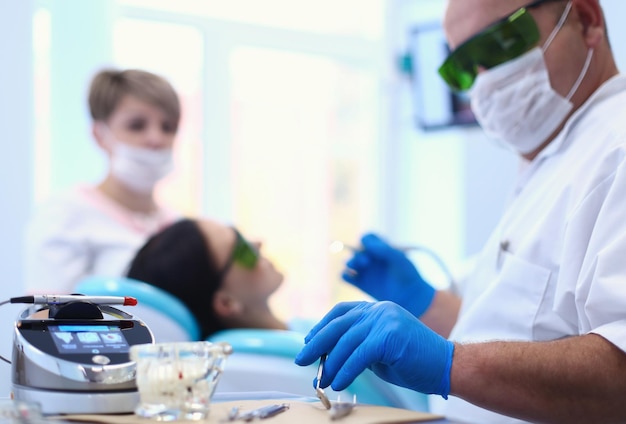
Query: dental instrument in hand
[(337, 246), (318, 390), (337, 409)]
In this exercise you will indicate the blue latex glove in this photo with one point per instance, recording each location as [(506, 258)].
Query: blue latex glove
[(386, 273), (383, 337)]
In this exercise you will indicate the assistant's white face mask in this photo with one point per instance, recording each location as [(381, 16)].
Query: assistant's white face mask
[(139, 168), (515, 102)]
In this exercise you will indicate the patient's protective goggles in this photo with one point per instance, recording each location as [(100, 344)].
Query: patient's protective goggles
[(505, 40), (244, 254)]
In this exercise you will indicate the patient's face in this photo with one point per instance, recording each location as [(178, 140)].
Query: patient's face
[(248, 285)]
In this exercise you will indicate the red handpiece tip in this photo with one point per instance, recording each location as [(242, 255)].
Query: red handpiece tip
[(129, 301)]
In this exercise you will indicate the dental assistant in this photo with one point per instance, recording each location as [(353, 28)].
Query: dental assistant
[(97, 229), (537, 332)]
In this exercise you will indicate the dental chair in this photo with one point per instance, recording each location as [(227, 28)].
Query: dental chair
[(165, 315), (262, 359)]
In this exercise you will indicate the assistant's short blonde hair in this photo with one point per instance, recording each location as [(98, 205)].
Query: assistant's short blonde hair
[(109, 86)]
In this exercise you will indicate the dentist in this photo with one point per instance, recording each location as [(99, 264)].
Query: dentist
[(537, 333)]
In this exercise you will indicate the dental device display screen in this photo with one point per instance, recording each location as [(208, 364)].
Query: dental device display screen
[(94, 339)]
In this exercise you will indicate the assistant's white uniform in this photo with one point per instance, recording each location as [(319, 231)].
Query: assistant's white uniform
[(555, 266), (82, 232)]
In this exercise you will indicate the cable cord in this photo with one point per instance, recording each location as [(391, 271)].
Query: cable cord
[(435, 257), (2, 357)]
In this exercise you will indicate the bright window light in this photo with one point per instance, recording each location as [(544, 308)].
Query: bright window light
[(362, 18)]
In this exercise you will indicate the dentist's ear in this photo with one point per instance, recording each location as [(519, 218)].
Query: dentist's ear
[(591, 20)]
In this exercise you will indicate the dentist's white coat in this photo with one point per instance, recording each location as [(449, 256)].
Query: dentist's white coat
[(556, 264)]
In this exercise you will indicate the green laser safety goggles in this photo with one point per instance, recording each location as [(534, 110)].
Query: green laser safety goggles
[(500, 42), (244, 254)]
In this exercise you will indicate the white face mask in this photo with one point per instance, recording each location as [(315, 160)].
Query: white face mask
[(515, 102), (139, 168)]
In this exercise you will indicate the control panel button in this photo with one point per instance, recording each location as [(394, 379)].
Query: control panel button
[(100, 359)]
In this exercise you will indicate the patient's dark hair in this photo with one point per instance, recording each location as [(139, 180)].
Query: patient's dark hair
[(179, 261)]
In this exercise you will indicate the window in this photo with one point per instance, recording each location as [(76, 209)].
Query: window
[(364, 19), (304, 132), (280, 127)]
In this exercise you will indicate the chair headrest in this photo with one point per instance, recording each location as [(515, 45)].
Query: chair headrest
[(146, 294)]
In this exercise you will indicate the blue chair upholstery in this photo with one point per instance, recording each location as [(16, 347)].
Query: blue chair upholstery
[(156, 307), (263, 360)]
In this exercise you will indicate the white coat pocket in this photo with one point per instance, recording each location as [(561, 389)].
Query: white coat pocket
[(507, 307)]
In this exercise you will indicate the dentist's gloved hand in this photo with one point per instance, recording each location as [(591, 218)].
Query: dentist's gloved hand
[(383, 337), (385, 273)]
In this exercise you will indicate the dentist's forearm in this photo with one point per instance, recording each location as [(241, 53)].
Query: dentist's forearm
[(576, 380), (442, 313)]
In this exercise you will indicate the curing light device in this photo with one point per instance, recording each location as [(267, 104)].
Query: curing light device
[(71, 354)]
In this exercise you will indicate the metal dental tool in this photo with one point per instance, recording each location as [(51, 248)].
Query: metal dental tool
[(318, 390), (233, 414), (337, 409), (260, 413), (270, 411)]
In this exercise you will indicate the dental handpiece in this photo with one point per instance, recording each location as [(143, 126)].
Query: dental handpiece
[(339, 246), (55, 299)]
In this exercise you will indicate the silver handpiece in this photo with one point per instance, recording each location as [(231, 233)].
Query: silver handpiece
[(57, 299), (337, 246)]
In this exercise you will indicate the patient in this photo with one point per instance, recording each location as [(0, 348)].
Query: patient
[(223, 279), (226, 282)]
